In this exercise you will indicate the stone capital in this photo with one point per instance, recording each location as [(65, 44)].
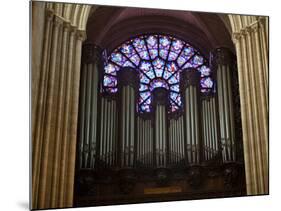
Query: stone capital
[(66, 26), (81, 35), (236, 36), (49, 14), (255, 26), (58, 21)]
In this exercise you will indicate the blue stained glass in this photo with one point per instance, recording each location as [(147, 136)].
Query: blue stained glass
[(177, 46), (145, 107), (142, 52), (128, 64), (175, 88), (109, 81), (153, 53), (150, 74), (174, 79), (176, 97), (187, 65), (172, 56), (135, 59), (144, 55), (206, 82), (158, 83), (145, 95), (164, 42), (143, 87), (111, 68), (151, 41), (163, 54), (139, 44), (205, 71), (158, 66), (181, 60), (158, 63), (174, 107), (171, 67), (144, 79), (118, 58), (145, 66), (197, 60), (127, 49), (167, 74), (187, 52)]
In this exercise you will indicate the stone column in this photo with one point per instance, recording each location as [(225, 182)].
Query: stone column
[(89, 89), (54, 127), (222, 63), (128, 87), (190, 91), (160, 102), (252, 58)]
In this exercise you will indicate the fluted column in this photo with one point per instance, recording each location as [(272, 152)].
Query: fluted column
[(54, 126), (223, 65), (160, 104), (89, 90), (127, 87), (251, 45), (209, 126), (190, 92)]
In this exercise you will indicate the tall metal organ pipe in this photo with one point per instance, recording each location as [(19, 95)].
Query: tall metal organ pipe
[(160, 103), (190, 91), (128, 87), (223, 63), (91, 66), (209, 126)]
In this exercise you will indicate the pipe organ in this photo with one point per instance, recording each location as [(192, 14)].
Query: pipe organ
[(209, 127), (144, 141), (108, 132), (160, 104), (88, 105), (176, 139), (222, 63), (190, 92), (113, 134), (128, 85)]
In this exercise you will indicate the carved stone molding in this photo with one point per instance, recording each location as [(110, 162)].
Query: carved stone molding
[(160, 96), (91, 53), (128, 76), (189, 77)]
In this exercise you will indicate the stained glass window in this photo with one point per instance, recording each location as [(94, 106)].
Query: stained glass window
[(159, 59)]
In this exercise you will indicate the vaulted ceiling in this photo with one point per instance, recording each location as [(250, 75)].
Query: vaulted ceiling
[(110, 26)]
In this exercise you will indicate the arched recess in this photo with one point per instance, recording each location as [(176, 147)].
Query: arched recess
[(56, 58)]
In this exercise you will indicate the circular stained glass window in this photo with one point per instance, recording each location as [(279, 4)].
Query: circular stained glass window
[(159, 59)]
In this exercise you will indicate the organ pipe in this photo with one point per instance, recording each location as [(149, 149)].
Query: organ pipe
[(190, 90), (210, 138), (222, 61), (160, 102), (91, 66), (128, 87)]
